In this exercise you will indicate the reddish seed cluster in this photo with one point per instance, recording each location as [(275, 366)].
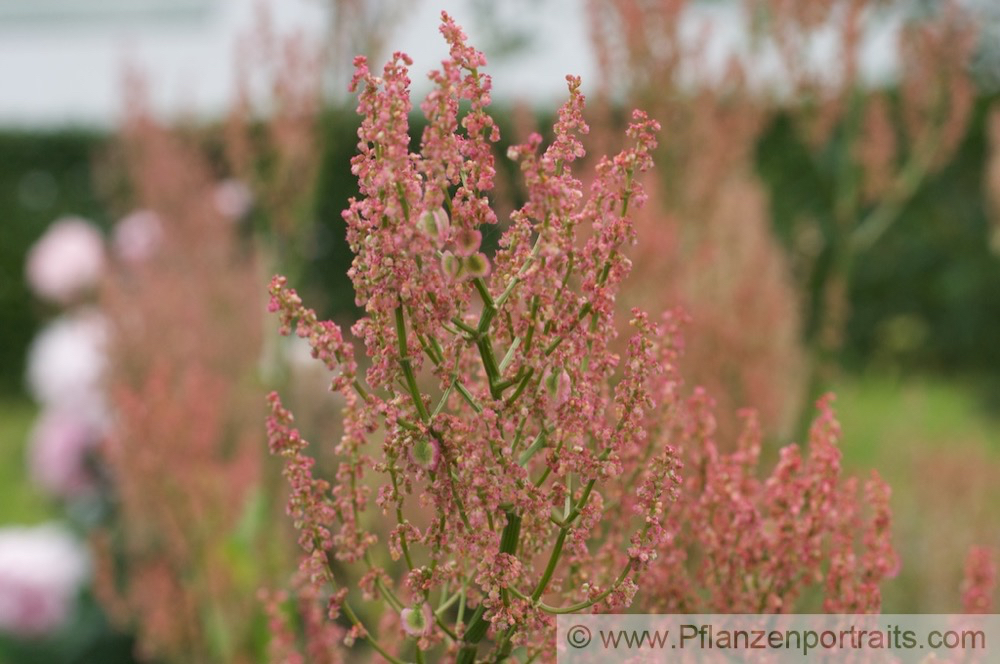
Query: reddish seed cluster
[(517, 467), (980, 580), (736, 543)]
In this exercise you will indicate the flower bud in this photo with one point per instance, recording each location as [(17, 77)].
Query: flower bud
[(417, 621), (436, 225), (426, 452), (467, 241), (477, 265)]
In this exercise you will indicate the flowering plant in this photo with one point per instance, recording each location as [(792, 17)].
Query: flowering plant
[(525, 470)]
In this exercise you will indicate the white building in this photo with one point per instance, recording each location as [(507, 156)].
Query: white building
[(63, 61)]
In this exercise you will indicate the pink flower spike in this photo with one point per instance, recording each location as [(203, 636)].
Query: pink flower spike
[(980, 580)]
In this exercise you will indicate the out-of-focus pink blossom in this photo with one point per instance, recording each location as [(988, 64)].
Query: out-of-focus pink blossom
[(66, 261), (980, 580), (66, 362), (232, 198), (137, 236), (41, 570), (57, 455)]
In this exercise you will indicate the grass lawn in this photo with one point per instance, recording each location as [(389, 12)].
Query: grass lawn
[(939, 449), (20, 502), (883, 416)]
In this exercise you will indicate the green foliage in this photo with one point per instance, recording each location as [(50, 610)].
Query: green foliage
[(888, 419), (934, 273), (926, 296), (331, 257), (20, 501), (42, 176)]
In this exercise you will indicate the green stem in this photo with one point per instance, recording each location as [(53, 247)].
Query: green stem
[(465, 327), (505, 362), (520, 386), (404, 547), (406, 364), (468, 397), (520, 273), (584, 310), (579, 606), (533, 449), (890, 207), (550, 568), (478, 626)]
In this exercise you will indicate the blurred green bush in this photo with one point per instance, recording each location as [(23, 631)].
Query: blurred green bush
[(928, 296)]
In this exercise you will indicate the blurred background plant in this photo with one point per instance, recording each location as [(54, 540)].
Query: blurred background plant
[(826, 206), (708, 245), (186, 542)]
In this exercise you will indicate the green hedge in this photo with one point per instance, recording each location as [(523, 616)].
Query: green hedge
[(42, 176), (927, 296)]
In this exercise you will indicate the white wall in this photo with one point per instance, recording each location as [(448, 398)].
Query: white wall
[(61, 65)]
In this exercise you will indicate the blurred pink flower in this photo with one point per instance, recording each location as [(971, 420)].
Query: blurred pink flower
[(41, 570), (58, 449), (66, 362), (232, 198), (66, 261), (137, 235)]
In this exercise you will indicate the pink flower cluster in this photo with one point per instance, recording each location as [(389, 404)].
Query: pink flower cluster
[(513, 466), (747, 545), (980, 583)]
